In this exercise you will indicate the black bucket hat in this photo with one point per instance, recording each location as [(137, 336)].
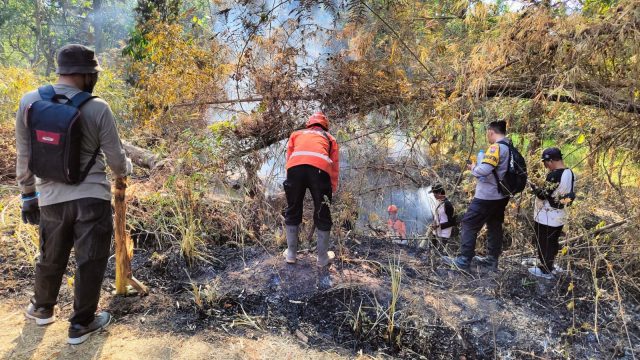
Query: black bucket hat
[(77, 59)]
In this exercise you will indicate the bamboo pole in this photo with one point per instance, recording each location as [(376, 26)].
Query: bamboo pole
[(126, 284)]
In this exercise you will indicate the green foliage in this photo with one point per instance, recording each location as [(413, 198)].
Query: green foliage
[(136, 45), (15, 82), (165, 10), (32, 31), (171, 67), (115, 91), (598, 7)]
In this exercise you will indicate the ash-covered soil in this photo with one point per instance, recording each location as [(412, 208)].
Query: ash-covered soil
[(438, 313)]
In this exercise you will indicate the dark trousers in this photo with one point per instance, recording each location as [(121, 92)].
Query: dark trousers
[(479, 213), (299, 179), (546, 244), (87, 226)]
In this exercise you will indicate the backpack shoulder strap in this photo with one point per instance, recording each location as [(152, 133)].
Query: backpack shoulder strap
[(81, 98), (495, 169), (90, 164), (47, 92), (507, 144), (77, 101), (572, 178)]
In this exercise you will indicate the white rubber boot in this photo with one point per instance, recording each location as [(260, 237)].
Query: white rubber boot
[(292, 244), (324, 256)]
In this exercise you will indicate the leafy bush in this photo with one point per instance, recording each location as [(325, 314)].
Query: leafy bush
[(14, 82), (173, 68)]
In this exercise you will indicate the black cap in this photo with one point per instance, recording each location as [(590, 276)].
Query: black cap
[(551, 154), (77, 59), (437, 189)]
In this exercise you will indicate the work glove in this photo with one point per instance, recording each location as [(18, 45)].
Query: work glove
[(30, 208)]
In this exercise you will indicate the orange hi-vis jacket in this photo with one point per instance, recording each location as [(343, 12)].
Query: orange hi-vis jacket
[(311, 147), (397, 228)]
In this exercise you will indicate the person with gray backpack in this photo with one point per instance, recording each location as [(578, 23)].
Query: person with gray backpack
[(65, 138), (500, 174)]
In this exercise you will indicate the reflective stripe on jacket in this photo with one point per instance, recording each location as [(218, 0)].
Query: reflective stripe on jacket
[(311, 147)]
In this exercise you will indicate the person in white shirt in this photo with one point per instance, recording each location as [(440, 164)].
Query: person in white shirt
[(444, 217), (549, 214)]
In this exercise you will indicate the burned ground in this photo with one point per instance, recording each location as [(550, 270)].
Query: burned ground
[(440, 313)]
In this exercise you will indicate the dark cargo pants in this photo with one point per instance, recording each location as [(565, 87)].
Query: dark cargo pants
[(299, 179), (479, 213), (87, 226)]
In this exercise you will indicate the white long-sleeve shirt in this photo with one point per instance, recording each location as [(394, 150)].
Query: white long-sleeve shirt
[(546, 214)]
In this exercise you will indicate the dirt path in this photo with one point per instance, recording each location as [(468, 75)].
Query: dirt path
[(21, 339)]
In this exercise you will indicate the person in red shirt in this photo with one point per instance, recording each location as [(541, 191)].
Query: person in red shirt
[(312, 163), (396, 227)]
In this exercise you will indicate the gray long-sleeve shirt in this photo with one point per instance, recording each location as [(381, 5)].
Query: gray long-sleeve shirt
[(98, 130), (497, 156)]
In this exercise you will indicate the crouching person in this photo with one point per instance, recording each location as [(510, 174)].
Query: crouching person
[(396, 228), (312, 163), (63, 136), (444, 218), (549, 212)]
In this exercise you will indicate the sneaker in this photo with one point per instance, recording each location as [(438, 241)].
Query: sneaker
[(42, 316), (459, 262), (488, 261), (79, 334), (536, 271), (558, 270)]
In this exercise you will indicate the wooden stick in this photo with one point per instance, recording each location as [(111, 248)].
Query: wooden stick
[(125, 282), (595, 232), (310, 235)]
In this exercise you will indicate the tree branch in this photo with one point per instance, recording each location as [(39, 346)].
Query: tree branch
[(598, 101)]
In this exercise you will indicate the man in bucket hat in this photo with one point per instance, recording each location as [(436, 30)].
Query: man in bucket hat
[(70, 214)]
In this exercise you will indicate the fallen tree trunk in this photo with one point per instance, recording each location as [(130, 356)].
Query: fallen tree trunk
[(141, 157), (586, 97)]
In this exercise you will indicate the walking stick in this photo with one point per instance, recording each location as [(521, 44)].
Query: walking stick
[(126, 284)]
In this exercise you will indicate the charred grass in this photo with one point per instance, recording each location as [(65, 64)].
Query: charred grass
[(384, 299)]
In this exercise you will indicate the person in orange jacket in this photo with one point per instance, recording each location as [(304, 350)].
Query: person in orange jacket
[(312, 163), (396, 227)]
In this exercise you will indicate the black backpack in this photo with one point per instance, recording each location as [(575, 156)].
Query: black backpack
[(515, 179), (561, 202), (56, 137)]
